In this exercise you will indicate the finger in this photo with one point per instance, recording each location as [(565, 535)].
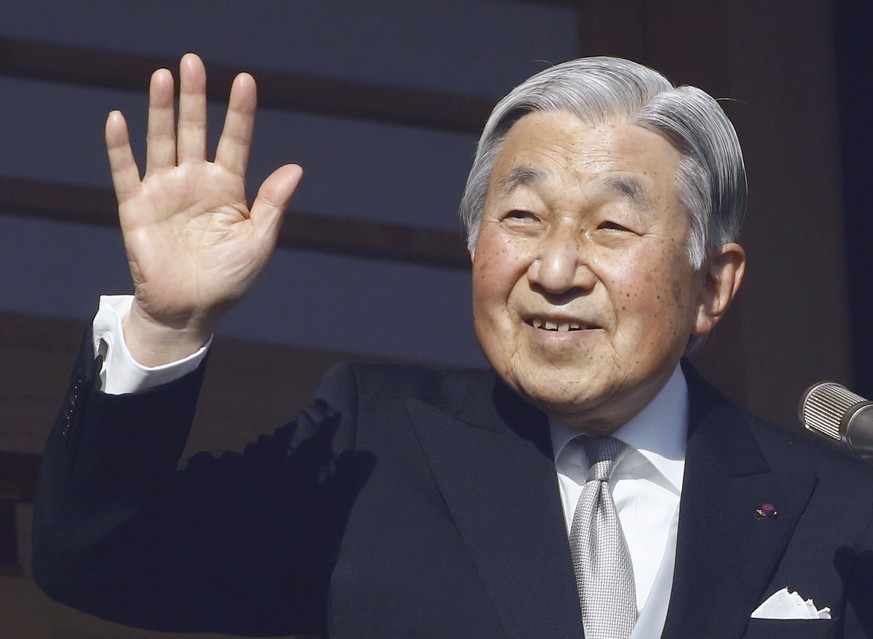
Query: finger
[(125, 174), (272, 200), (191, 144), (239, 124), (161, 149)]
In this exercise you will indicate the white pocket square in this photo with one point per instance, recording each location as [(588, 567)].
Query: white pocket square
[(784, 604)]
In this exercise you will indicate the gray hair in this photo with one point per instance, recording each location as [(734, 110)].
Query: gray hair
[(711, 178)]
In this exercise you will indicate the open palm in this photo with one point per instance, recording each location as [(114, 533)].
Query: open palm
[(193, 245)]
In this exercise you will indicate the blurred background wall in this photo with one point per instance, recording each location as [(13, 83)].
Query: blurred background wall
[(382, 101)]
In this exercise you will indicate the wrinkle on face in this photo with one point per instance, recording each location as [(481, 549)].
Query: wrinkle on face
[(599, 207)]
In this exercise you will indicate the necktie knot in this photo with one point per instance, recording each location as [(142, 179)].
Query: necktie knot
[(604, 453)]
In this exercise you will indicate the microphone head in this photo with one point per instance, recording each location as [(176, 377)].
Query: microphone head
[(835, 412)]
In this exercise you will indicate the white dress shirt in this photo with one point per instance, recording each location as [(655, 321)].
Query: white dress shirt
[(121, 373), (646, 485)]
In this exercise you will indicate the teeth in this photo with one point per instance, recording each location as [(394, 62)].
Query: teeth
[(550, 325)]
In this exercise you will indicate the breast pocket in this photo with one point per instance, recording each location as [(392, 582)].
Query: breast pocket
[(792, 629)]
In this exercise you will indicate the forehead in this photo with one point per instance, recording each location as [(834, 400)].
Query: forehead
[(543, 147)]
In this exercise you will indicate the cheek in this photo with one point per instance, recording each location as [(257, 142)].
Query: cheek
[(652, 287), (484, 281), (497, 267)]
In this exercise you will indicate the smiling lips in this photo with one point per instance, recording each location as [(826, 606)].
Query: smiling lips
[(557, 325)]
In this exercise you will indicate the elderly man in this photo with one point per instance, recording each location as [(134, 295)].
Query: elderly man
[(588, 480)]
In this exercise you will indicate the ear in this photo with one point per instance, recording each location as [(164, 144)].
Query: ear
[(722, 277)]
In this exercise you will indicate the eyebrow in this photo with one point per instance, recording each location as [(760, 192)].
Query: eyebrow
[(520, 176), (630, 188)]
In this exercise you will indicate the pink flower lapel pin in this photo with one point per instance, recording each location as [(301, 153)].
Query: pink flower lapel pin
[(766, 511)]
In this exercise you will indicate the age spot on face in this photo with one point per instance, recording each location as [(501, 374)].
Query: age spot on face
[(550, 253)]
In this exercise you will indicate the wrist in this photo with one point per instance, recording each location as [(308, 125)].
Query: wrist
[(154, 343)]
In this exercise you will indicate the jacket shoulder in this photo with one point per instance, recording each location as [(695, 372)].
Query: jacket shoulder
[(783, 447)]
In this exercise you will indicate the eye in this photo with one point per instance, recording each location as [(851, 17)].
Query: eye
[(521, 219), (609, 225), (520, 215)]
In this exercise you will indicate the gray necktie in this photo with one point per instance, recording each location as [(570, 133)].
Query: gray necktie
[(604, 572)]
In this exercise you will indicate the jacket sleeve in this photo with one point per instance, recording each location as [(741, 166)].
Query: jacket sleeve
[(232, 542)]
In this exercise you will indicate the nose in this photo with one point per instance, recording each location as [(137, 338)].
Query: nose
[(560, 264)]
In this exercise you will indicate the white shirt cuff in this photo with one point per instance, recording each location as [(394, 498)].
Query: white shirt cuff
[(121, 373)]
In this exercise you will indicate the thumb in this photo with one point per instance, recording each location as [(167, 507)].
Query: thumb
[(272, 199)]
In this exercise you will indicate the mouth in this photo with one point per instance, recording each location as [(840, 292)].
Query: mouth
[(557, 325)]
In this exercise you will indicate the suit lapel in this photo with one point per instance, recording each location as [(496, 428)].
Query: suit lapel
[(726, 553), (492, 461), (493, 464)]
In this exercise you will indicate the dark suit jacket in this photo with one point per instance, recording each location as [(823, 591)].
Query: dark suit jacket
[(408, 502)]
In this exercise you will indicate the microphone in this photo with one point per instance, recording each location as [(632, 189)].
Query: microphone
[(835, 412)]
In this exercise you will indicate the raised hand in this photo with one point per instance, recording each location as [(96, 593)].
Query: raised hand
[(192, 243)]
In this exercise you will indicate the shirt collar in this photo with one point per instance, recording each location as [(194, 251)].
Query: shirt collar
[(658, 432)]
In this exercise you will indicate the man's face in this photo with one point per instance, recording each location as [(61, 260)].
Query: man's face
[(583, 294)]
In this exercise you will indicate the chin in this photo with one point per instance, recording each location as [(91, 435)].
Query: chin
[(574, 396), (556, 398)]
